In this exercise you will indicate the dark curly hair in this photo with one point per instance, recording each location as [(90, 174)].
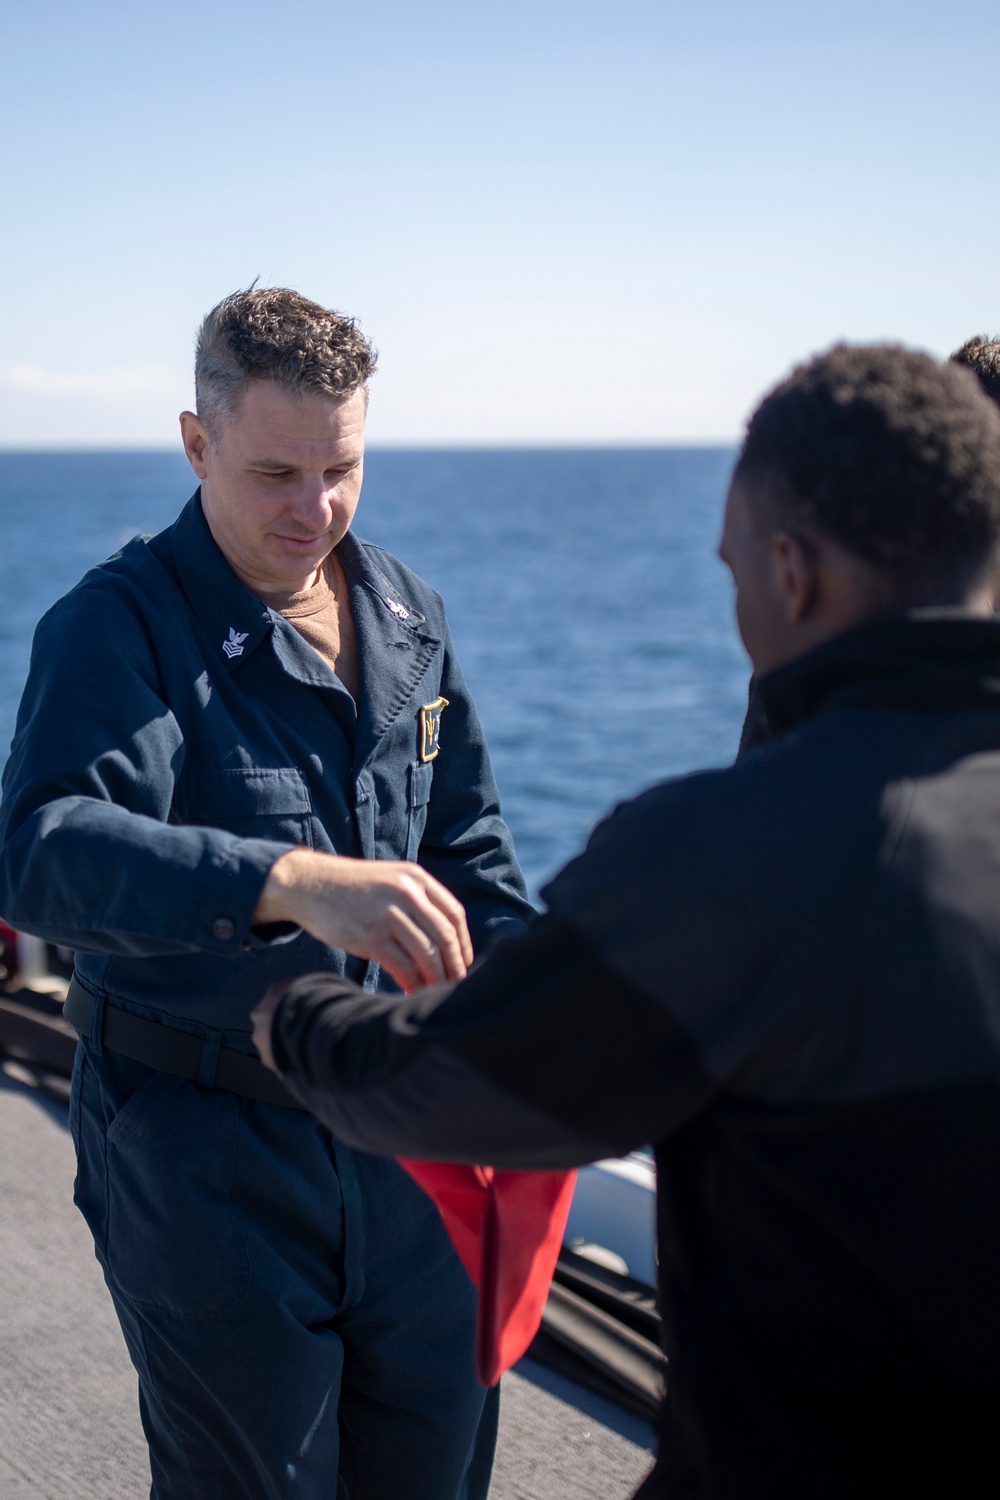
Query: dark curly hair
[(273, 333), (981, 355), (887, 452)]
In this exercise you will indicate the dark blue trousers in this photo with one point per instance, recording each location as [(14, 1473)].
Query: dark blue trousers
[(299, 1321)]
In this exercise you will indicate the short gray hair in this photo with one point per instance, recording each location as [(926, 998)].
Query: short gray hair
[(274, 333)]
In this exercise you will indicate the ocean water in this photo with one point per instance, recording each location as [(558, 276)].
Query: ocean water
[(591, 614)]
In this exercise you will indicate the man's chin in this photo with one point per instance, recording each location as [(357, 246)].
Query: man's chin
[(291, 564)]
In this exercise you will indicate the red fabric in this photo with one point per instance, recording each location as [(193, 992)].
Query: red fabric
[(507, 1228), (8, 950)]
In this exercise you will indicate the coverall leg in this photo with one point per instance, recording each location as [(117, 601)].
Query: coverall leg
[(300, 1323)]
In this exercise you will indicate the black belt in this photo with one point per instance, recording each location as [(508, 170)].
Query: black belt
[(177, 1052)]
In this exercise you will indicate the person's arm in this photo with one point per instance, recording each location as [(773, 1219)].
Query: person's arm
[(542, 1057), (673, 962), (89, 855)]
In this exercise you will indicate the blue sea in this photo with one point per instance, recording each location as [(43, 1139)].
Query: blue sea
[(592, 616)]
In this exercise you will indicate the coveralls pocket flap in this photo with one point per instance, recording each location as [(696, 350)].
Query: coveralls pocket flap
[(252, 801)]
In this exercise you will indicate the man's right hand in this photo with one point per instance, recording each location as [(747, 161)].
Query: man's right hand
[(387, 910)]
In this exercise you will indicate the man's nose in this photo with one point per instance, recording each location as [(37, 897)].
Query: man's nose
[(313, 504)]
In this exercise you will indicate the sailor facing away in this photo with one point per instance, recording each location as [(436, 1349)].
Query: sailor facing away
[(981, 356), (246, 750), (785, 974)]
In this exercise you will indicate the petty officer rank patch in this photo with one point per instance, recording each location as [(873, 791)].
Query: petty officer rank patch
[(234, 645), (430, 728)]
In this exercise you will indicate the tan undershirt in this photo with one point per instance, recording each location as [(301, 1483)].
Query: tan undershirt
[(322, 616)]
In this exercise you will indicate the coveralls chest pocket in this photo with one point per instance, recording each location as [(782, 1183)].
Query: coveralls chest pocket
[(253, 802), (420, 778)]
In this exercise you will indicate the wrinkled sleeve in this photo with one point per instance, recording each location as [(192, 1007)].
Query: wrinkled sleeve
[(466, 843), (669, 968), (88, 854), (543, 1057)]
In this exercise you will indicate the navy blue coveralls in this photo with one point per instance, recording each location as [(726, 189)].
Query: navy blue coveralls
[(295, 1311)]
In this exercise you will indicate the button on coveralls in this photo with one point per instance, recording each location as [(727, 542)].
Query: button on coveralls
[(299, 1321)]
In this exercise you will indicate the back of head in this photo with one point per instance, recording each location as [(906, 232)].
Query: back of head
[(273, 333), (981, 355), (888, 453)]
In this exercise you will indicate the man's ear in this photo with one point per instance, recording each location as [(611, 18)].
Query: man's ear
[(195, 439), (794, 571)]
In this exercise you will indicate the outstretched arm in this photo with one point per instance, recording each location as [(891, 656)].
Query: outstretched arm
[(542, 1057), (607, 1024)]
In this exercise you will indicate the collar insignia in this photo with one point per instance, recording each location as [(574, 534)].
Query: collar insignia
[(234, 645), (398, 610)]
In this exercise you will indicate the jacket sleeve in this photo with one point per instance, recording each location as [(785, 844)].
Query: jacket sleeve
[(543, 1057), (466, 843), (88, 855), (677, 964)]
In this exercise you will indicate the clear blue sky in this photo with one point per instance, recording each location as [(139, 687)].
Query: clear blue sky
[(561, 221)]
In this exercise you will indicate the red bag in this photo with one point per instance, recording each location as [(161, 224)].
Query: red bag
[(507, 1228)]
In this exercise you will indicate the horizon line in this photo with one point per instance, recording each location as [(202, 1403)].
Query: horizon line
[(503, 446)]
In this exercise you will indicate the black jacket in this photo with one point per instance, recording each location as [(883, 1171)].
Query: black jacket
[(786, 975)]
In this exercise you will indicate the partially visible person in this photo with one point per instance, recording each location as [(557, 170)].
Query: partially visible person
[(981, 355), (785, 974)]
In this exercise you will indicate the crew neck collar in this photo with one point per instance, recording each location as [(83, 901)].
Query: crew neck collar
[(298, 603)]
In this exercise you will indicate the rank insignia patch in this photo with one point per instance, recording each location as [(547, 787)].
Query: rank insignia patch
[(234, 645), (430, 728)]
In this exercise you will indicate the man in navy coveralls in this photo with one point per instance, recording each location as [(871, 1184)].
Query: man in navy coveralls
[(785, 974), (237, 740)]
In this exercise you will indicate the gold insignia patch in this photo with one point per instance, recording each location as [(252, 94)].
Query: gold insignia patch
[(430, 728)]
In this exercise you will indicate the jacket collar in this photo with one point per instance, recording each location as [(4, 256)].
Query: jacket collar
[(395, 644), (235, 619), (923, 659)]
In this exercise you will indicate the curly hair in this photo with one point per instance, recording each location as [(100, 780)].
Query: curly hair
[(887, 452), (274, 333), (981, 355)]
